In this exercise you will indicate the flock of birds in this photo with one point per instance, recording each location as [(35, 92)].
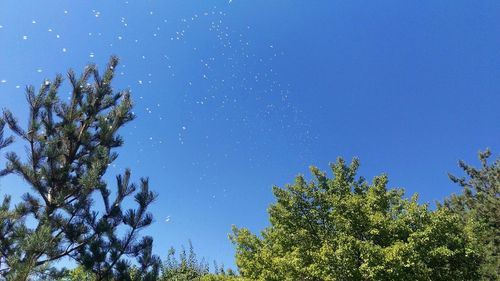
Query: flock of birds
[(228, 74)]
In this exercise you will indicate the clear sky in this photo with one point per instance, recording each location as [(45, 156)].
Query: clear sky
[(233, 97)]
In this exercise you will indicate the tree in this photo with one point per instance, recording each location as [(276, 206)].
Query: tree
[(187, 267), (182, 267), (479, 207), (79, 273), (344, 228), (70, 145), (220, 277)]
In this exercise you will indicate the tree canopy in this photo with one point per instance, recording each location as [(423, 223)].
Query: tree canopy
[(344, 228)]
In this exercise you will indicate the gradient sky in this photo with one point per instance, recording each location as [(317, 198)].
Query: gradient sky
[(233, 97)]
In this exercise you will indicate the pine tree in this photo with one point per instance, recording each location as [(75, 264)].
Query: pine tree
[(479, 207), (70, 145)]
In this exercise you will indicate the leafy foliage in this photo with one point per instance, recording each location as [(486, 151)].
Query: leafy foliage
[(186, 267), (222, 277), (479, 207), (69, 148), (347, 229)]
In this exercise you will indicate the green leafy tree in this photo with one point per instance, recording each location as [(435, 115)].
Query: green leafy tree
[(70, 145), (479, 207), (77, 274), (220, 277), (222, 274), (344, 228), (185, 267)]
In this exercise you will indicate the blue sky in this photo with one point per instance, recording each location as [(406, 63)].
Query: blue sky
[(233, 98)]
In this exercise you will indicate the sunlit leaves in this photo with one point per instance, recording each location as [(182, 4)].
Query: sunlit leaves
[(345, 228)]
